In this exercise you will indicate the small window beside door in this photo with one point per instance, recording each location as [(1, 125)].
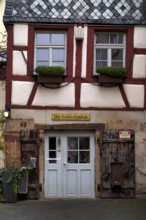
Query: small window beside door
[(52, 151)]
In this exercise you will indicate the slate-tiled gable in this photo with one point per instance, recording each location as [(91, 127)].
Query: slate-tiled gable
[(72, 11)]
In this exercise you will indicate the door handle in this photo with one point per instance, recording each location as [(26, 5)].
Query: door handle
[(65, 164)]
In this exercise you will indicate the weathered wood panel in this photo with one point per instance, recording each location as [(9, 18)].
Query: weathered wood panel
[(117, 165)]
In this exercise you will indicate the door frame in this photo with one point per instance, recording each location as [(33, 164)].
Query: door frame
[(63, 135)]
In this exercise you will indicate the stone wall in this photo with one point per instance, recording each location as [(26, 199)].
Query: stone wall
[(112, 120)]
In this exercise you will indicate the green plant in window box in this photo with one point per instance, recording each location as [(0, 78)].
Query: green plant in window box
[(111, 75), (50, 74)]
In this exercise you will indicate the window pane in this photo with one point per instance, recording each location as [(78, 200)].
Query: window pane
[(58, 38), (116, 38), (84, 157), (101, 57), (52, 143), (72, 143), (58, 64), (52, 149), (52, 154), (101, 54), (84, 143), (118, 64), (42, 38), (42, 63), (72, 157), (102, 38), (101, 63), (58, 57), (58, 54), (117, 54), (42, 54)]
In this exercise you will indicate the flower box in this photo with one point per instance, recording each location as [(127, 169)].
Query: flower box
[(8, 188), (109, 80), (111, 75), (49, 79), (49, 74)]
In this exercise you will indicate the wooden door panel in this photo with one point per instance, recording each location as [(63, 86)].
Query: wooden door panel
[(117, 164)]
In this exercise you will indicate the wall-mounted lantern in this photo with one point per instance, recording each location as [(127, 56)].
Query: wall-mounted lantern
[(59, 144), (7, 113)]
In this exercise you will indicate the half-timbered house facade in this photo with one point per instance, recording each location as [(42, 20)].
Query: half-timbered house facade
[(83, 138)]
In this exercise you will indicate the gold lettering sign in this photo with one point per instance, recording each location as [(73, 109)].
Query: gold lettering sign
[(71, 117)]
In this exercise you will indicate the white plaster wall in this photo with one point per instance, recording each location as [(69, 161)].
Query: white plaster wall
[(19, 65), (97, 96), (84, 53), (2, 97), (135, 95), (2, 6), (21, 92), (140, 37), (20, 34), (139, 66), (74, 53), (64, 97)]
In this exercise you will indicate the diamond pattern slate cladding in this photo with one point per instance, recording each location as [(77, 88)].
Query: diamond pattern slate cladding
[(88, 11)]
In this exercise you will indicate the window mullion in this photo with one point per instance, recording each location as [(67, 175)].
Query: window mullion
[(109, 57), (124, 62), (50, 56), (78, 150)]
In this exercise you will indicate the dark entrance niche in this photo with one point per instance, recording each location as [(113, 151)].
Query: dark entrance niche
[(117, 165), (117, 175), (30, 158)]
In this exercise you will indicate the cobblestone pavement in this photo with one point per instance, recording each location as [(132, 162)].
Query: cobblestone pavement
[(71, 209)]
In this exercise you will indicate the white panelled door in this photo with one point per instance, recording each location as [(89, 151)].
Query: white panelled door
[(69, 165)]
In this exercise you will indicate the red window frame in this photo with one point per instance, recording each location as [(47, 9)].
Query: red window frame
[(129, 31), (31, 45)]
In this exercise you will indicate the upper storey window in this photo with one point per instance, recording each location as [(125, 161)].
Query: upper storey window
[(109, 49), (50, 48)]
